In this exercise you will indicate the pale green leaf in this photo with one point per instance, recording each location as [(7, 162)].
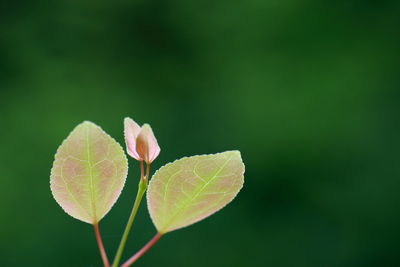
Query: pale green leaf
[(88, 174), (192, 188)]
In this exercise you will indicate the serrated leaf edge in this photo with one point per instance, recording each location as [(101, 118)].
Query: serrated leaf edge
[(201, 218), (57, 151)]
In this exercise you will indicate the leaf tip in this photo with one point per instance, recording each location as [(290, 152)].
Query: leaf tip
[(192, 188)]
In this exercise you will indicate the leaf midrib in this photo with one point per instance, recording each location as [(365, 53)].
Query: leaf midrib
[(186, 203), (91, 185)]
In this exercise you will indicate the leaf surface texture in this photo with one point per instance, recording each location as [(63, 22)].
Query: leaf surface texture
[(88, 174), (192, 188)]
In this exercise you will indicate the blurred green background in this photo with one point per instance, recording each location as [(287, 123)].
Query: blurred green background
[(308, 91)]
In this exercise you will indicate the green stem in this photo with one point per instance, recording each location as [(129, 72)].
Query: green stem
[(141, 190)]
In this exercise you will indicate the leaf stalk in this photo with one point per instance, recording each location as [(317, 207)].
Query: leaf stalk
[(101, 246), (143, 250)]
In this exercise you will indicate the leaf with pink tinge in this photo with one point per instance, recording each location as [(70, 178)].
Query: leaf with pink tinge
[(88, 174), (192, 188)]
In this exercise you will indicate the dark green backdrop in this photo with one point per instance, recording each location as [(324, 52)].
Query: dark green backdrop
[(308, 91)]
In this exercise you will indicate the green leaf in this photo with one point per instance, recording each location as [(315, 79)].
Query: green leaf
[(192, 188), (88, 174)]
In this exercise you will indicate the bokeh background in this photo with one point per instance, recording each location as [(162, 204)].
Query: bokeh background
[(308, 91)]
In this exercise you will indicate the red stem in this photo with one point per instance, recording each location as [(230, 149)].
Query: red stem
[(142, 250), (148, 172), (101, 246), (141, 170)]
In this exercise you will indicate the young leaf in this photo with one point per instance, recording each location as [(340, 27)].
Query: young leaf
[(192, 188), (88, 174)]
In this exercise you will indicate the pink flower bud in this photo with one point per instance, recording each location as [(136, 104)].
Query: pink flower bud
[(140, 142)]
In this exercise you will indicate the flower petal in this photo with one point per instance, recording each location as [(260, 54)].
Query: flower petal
[(147, 147), (131, 132)]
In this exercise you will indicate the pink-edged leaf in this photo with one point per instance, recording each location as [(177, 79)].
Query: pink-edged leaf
[(131, 132), (147, 146), (88, 174), (192, 188)]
